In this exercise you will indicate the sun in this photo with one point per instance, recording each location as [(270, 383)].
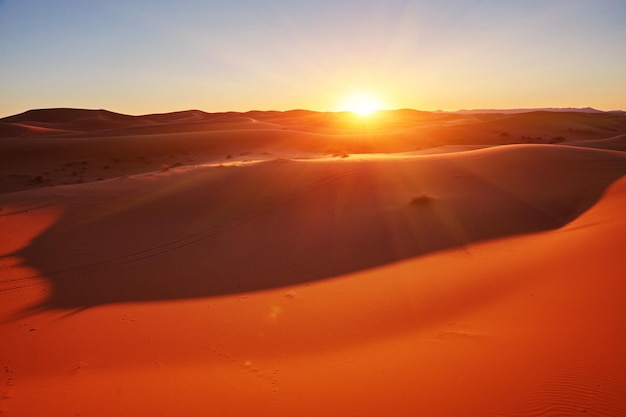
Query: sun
[(362, 104)]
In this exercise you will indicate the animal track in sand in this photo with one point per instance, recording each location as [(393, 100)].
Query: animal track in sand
[(7, 390), (269, 377)]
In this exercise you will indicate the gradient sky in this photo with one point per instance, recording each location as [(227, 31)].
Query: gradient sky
[(150, 56)]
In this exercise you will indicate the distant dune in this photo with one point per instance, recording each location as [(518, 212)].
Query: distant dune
[(105, 123), (122, 145), (550, 109), (312, 264)]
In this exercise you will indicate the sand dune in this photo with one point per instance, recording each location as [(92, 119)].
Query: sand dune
[(617, 143), (521, 127), (294, 271), (121, 145), (23, 130)]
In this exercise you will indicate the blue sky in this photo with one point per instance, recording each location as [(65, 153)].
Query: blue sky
[(141, 57)]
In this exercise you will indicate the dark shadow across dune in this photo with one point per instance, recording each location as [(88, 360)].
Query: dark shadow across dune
[(220, 231)]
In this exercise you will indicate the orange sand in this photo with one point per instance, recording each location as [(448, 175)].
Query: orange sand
[(312, 266)]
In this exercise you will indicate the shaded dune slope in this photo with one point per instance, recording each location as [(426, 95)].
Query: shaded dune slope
[(124, 240), (617, 143)]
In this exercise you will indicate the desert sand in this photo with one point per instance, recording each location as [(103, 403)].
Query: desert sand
[(312, 264)]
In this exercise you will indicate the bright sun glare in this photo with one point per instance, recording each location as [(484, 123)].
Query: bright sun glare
[(362, 104)]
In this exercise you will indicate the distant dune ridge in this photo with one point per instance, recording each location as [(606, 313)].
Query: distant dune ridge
[(120, 142), (529, 110), (313, 264), (104, 122)]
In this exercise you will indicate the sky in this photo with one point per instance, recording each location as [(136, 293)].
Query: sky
[(154, 56)]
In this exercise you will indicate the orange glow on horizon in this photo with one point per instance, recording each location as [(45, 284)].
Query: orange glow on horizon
[(361, 104)]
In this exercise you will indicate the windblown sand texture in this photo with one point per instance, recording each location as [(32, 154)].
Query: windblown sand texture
[(312, 264)]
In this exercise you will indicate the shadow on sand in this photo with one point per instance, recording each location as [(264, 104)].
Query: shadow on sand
[(218, 231)]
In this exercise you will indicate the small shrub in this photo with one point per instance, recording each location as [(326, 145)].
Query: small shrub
[(342, 154), (420, 200)]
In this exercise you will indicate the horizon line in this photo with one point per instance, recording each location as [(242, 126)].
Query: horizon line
[(474, 110)]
